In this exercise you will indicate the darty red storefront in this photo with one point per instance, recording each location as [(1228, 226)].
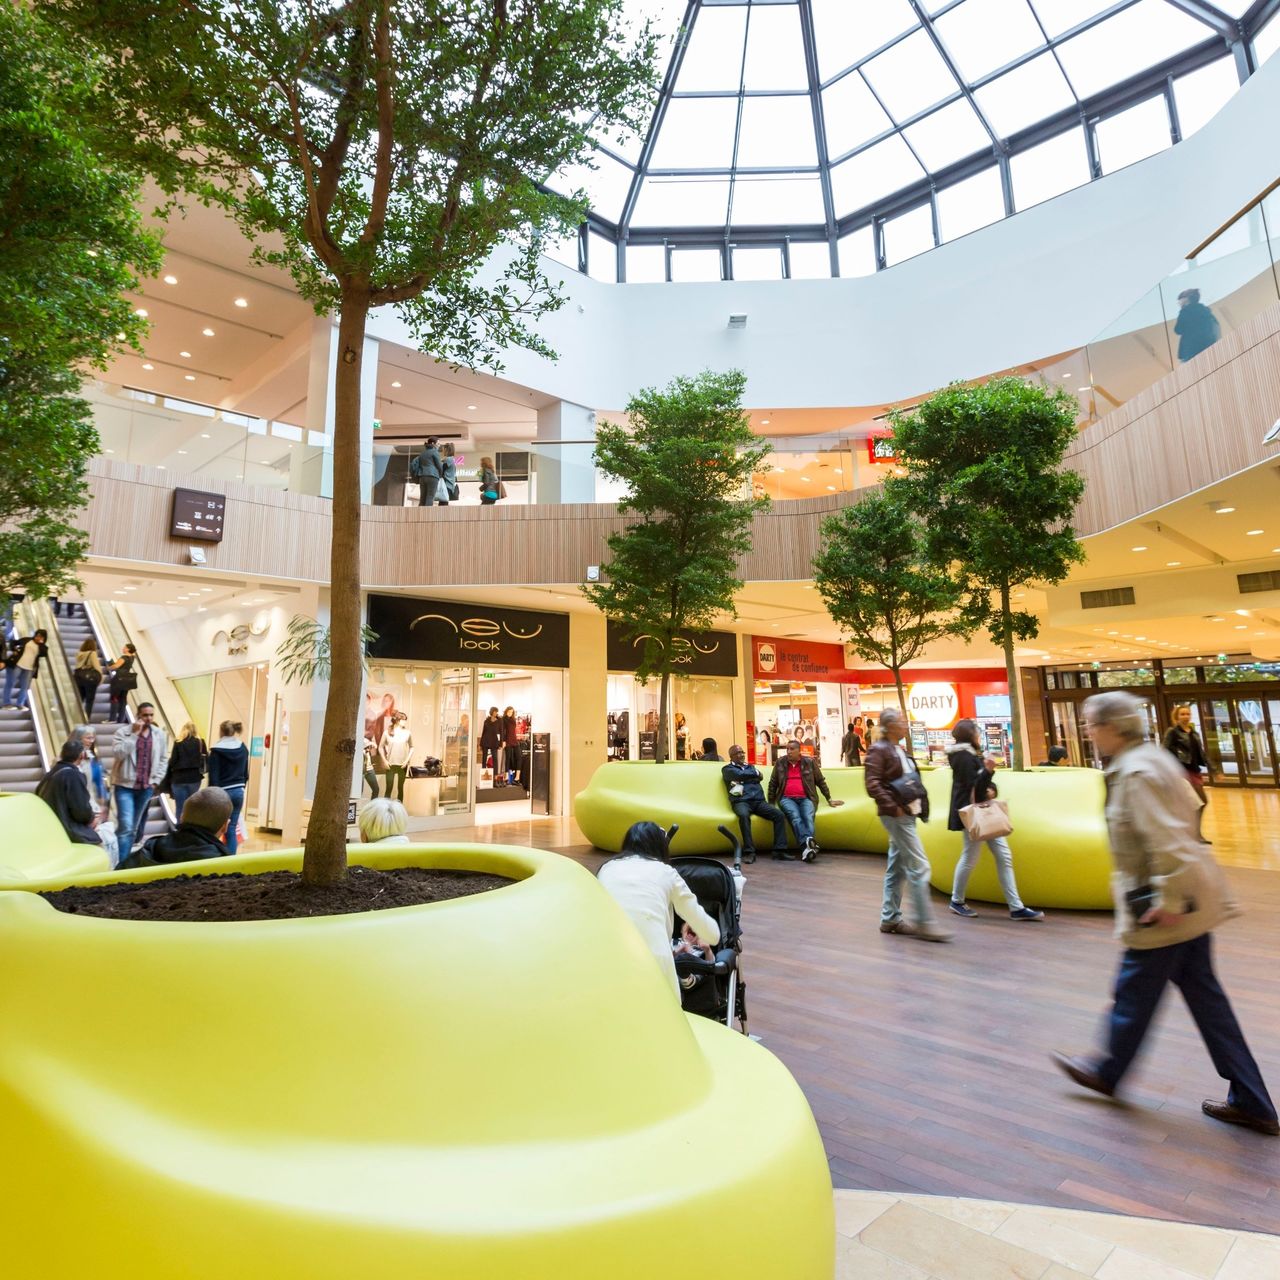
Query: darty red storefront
[(810, 690)]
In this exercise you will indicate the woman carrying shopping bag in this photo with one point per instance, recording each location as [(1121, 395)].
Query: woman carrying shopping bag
[(972, 786)]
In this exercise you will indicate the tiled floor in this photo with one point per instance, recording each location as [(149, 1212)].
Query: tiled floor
[(883, 1236)]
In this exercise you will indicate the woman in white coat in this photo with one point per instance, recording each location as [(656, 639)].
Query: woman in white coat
[(651, 892)]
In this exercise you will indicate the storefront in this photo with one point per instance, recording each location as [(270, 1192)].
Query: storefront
[(1234, 701), (811, 691), (445, 666), (704, 690)]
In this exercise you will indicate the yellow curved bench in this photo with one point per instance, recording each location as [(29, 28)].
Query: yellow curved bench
[(1060, 849), (498, 1086), (36, 846)]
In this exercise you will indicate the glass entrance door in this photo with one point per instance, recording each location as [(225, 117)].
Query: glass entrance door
[(1212, 717), (1257, 758), (1239, 739)]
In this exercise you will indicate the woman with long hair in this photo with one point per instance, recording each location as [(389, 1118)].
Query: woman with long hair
[(87, 673), (489, 490), (972, 782), (650, 891), (229, 769), (187, 763)]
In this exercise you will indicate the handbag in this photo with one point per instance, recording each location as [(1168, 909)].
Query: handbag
[(907, 788), (502, 489), (988, 820)]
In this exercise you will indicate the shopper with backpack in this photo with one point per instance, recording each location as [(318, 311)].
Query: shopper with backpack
[(427, 469)]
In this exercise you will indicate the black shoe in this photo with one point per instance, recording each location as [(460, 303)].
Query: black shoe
[(748, 856), (1228, 1114), (1081, 1070), (786, 856)]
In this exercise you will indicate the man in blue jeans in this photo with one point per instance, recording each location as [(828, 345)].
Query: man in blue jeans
[(142, 756), (793, 786), (746, 796)]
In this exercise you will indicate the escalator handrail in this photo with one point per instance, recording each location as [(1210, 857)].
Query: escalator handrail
[(37, 698), (66, 692)]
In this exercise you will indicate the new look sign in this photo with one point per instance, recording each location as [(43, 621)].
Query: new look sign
[(446, 631)]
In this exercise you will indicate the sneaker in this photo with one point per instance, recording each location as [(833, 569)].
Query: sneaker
[(928, 931), (1228, 1114), (963, 909), (1026, 913), (810, 851)]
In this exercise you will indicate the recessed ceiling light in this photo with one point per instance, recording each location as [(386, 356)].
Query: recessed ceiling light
[(395, 384), (1221, 509), (806, 479), (1241, 626), (242, 302), (186, 355), (162, 467), (108, 451), (206, 590), (148, 366), (181, 452), (171, 279), (1139, 637), (208, 333), (141, 311), (1242, 613), (240, 476), (204, 435), (1172, 564), (473, 407), (190, 377), (764, 422), (1137, 548), (831, 488), (1253, 533), (1113, 633)]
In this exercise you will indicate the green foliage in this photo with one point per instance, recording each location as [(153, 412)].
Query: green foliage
[(377, 147), (304, 655), (71, 244), (687, 462), (878, 584), (984, 465)]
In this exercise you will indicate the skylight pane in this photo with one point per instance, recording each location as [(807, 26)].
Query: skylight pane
[(966, 206), (845, 32), (910, 77), (947, 135), (1061, 15), (646, 264), (1127, 43), (852, 115), (713, 59), (775, 50), (873, 174), (695, 265), (1045, 171), (602, 258), (752, 263), (606, 185), (984, 35), (857, 253), (1202, 94), (908, 235), (810, 260), (697, 133), (682, 202), (770, 201), (1133, 135), (1021, 98), (777, 132), (1267, 41)]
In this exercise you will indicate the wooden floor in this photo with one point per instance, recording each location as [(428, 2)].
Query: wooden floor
[(928, 1068)]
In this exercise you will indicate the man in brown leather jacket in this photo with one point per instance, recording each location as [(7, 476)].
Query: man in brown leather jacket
[(793, 786), (887, 762)]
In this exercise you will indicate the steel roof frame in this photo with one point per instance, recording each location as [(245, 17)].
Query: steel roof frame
[(1225, 35)]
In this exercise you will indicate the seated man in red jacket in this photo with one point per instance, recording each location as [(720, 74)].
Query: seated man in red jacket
[(793, 787)]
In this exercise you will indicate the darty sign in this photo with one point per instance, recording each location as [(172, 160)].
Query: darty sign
[(935, 705)]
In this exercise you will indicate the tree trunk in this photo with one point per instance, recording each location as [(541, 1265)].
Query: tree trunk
[(664, 713), (1011, 674), (325, 857), (902, 697)]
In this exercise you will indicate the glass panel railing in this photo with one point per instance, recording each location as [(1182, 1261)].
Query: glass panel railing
[(41, 697), (65, 707), (112, 636)]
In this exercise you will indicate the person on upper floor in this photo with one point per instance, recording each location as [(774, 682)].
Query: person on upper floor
[(744, 783), (489, 491), (228, 766), (201, 834), (447, 489), (22, 666), (793, 786), (64, 790), (1196, 326), (426, 469)]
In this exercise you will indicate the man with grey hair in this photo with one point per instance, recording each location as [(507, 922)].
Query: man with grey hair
[(65, 791), (893, 782), (1170, 895)]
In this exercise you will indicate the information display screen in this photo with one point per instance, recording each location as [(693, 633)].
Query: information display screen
[(198, 515)]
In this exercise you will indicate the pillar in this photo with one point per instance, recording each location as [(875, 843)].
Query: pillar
[(566, 471), (588, 696)]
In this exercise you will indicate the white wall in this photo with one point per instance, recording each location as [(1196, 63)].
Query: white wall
[(1047, 280)]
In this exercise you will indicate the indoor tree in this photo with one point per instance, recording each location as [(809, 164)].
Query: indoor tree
[(72, 244), (985, 467), (879, 585), (381, 151), (686, 458)]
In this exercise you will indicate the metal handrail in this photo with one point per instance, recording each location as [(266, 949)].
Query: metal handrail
[(66, 693), (39, 700)]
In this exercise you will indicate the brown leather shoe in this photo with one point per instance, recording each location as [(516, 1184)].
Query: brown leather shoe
[(1228, 1114), (1081, 1070), (896, 926), (928, 931)]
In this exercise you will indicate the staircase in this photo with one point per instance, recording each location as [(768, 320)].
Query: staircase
[(73, 630), (20, 765)]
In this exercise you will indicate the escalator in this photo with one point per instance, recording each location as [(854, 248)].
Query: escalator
[(24, 736), (67, 633)]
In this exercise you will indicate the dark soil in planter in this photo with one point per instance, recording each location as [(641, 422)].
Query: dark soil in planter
[(272, 895)]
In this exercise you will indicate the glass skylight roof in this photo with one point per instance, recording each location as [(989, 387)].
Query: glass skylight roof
[(790, 123)]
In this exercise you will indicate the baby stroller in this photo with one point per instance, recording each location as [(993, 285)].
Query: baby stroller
[(714, 988)]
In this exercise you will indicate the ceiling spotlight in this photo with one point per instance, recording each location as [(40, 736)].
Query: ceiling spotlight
[(1172, 564), (190, 377), (1221, 508), (162, 467), (764, 422), (204, 435), (1253, 533), (1242, 626), (1137, 548), (141, 311), (186, 355), (171, 279), (473, 407), (208, 333), (242, 302), (148, 366), (395, 384)]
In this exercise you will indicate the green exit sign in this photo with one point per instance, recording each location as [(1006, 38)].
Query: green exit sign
[(487, 675), (377, 424)]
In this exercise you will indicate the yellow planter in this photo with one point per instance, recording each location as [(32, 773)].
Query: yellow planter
[(1060, 849), (35, 845), (488, 1088)]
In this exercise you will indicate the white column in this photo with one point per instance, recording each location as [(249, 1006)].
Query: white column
[(566, 472)]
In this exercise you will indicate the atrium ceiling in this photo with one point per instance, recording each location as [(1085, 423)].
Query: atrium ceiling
[(811, 138)]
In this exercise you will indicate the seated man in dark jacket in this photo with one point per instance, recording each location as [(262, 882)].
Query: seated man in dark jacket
[(66, 792), (746, 796), (199, 835)]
